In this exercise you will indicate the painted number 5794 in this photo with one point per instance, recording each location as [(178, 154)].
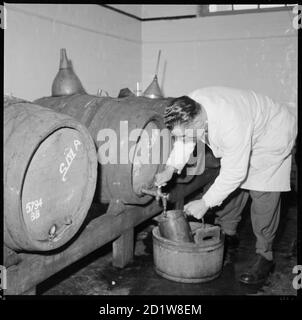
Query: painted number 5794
[(32, 208)]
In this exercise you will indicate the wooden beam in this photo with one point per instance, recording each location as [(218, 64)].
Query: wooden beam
[(123, 247), (35, 268), (30, 292), (10, 257)]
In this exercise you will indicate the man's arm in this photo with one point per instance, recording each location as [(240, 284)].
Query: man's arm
[(178, 158), (236, 148)]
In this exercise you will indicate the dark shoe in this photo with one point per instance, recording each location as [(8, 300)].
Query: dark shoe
[(231, 244), (258, 273)]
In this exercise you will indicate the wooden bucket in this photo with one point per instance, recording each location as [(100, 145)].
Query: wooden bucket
[(190, 262)]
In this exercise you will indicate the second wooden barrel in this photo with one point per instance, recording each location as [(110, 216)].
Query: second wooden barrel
[(124, 132), (50, 170)]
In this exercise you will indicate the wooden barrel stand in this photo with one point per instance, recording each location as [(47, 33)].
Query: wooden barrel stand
[(22, 278)]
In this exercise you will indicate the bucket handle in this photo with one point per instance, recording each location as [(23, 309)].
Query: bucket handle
[(206, 234)]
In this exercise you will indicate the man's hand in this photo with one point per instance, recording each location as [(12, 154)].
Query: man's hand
[(163, 177), (196, 208)]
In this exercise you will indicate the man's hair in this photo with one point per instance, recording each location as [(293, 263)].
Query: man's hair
[(181, 110)]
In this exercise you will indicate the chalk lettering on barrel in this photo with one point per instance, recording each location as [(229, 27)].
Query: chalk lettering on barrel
[(64, 167), (76, 144)]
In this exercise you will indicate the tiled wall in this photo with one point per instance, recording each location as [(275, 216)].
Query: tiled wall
[(104, 46), (112, 51), (254, 51)]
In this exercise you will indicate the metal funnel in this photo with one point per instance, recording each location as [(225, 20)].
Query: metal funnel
[(66, 81), (153, 90)]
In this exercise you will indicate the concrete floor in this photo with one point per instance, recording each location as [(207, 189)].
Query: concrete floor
[(94, 275)]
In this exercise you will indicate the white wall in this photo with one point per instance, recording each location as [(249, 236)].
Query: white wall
[(135, 9), (104, 46), (112, 51), (167, 10), (253, 51)]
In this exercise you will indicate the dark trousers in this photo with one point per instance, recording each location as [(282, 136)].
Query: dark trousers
[(265, 216)]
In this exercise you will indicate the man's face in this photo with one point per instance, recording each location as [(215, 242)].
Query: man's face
[(188, 133), (179, 132)]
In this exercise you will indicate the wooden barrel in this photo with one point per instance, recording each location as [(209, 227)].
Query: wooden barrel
[(189, 262), (124, 175), (50, 170), (121, 181)]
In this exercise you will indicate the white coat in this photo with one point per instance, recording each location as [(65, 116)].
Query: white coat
[(251, 134)]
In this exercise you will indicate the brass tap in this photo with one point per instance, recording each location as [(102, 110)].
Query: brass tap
[(159, 195), (164, 198)]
